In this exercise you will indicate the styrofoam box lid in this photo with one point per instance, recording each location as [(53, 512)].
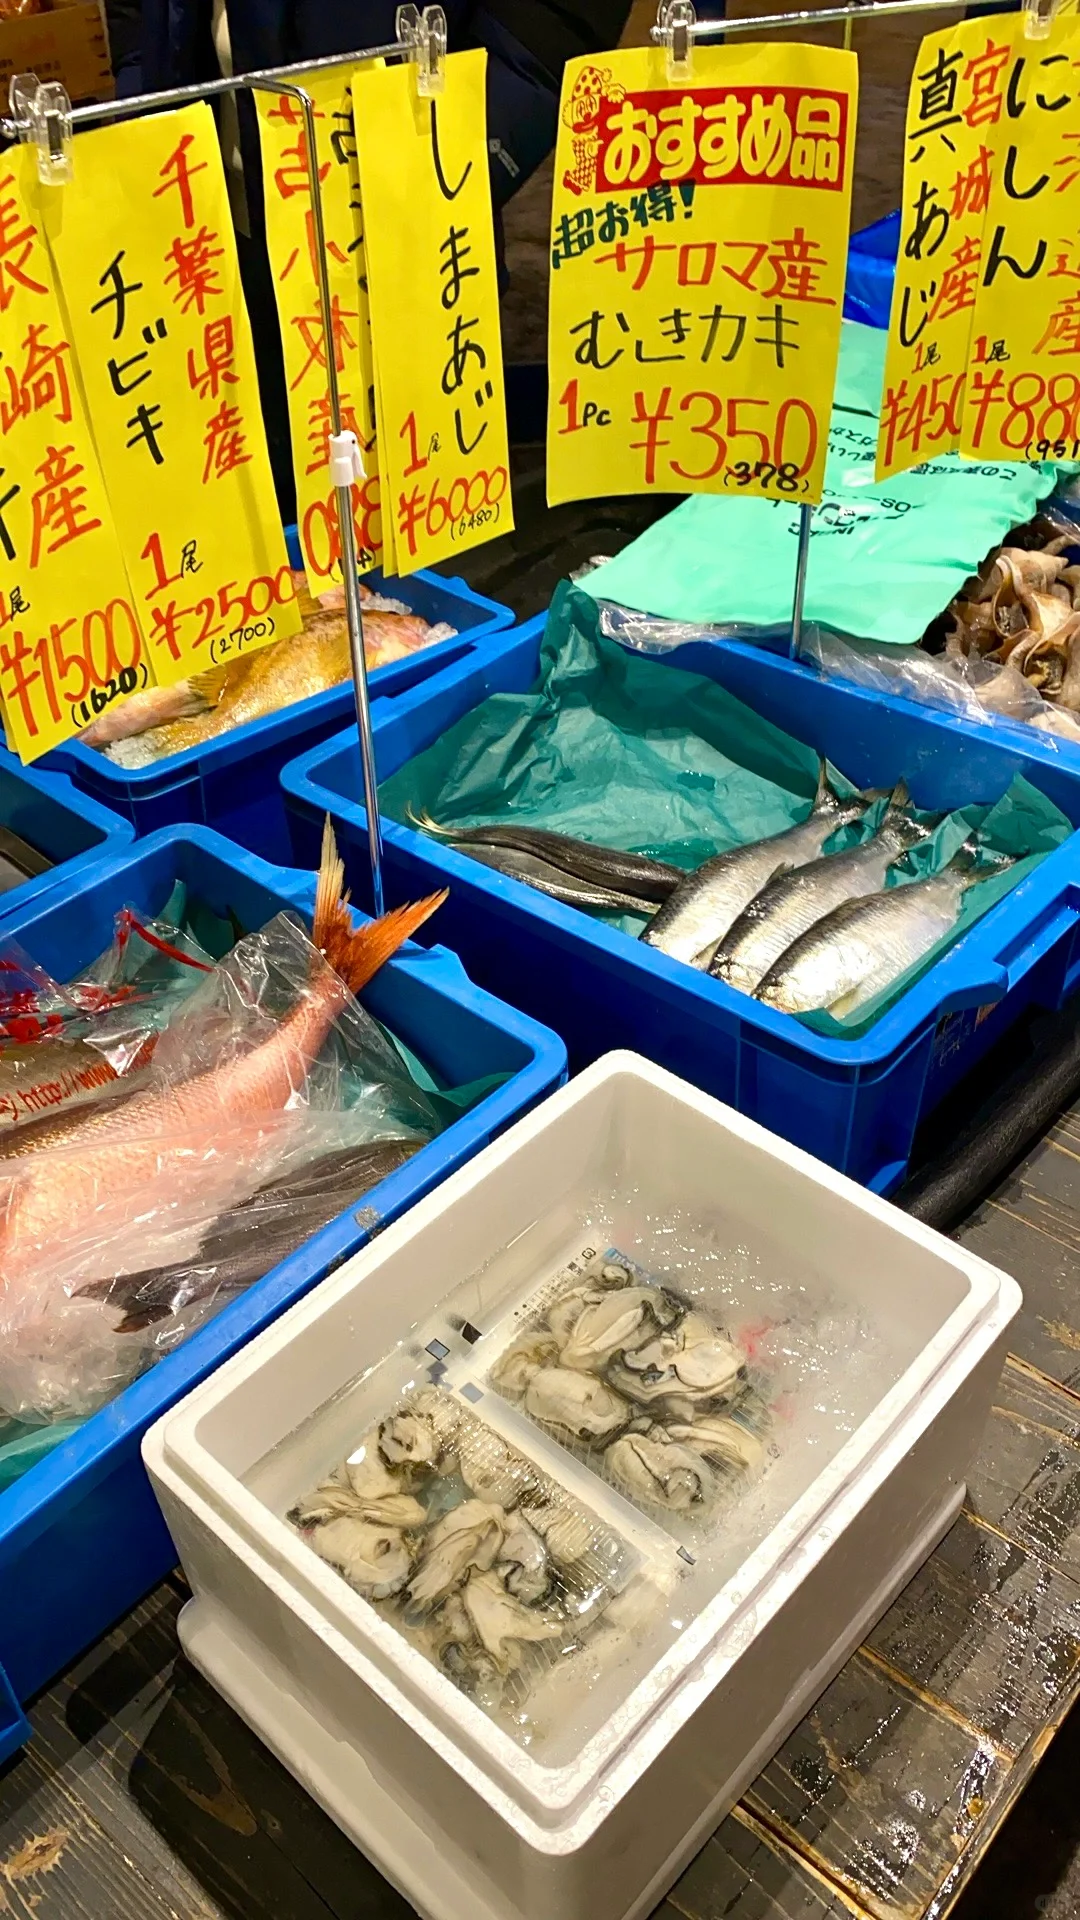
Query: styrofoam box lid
[(676, 1142)]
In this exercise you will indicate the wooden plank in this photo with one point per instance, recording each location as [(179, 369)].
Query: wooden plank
[(1026, 1481), (745, 1873)]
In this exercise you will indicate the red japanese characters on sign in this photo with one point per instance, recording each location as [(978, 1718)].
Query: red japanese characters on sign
[(743, 136)]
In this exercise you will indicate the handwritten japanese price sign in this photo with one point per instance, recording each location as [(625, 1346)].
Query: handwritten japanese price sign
[(954, 122), (143, 246), (1022, 400), (70, 641), (434, 309), (698, 249), (290, 242)]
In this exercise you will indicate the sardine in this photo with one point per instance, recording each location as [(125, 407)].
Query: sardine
[(137, 1152), (794, 902), (703, 908), (605, 869), (859, 948), (245, 1243)]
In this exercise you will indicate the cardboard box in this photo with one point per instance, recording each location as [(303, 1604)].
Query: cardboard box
[(69, 43)]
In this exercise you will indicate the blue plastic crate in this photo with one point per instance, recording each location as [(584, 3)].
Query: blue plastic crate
[(81, 1537), (854, 1103), (231, 783), (871, 270), (50, 813)]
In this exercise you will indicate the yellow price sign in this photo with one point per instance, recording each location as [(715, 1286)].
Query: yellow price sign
[(698, 251), (430, 250), (143, 248), (955, 118), (70, 640), (290, 239), (1022, 400)]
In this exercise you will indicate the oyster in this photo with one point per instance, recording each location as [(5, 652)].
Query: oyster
[(700, 1359), (367, 1472), (502, 1624), (727, 1443), (566, 1533), (608, 1322), (334, 1499), (468, 1536), (330, 1500), (575, 1403), (407, 1439), (562, 1317), (522, 1358), (522, 1565), (489, 1469), (655, 1468), (436, 1407), (375, 1560)]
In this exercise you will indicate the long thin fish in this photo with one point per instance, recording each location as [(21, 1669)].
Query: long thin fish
[(608, 869), (693, 921), (789, 905), (245, 1243), (861, 947), (554, 882)]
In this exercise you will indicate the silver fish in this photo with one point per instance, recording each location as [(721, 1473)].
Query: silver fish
[(792, 903), (861, 947), (556, 884), (603, 869), (693, 921)]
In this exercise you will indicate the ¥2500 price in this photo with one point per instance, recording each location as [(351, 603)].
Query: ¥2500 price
[(75, 670)]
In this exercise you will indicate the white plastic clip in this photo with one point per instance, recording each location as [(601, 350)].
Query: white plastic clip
[(674, 22), (425, 36), (346, 459), (42, 113), (1039, 18)]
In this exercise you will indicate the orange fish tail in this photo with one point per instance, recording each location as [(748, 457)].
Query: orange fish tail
[(357, 953)]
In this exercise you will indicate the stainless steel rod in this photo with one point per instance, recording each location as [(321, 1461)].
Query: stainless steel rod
[(802, 563), (810, 17)]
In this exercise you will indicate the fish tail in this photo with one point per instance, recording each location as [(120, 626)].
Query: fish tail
[(357, 953), (424, 820)]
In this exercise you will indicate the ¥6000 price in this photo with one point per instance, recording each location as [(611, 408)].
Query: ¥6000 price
[(466, 503)]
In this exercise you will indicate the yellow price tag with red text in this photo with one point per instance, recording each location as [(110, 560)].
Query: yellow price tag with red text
[(430, 250), (290, 240), (70, 640), (143, 248), (698, 252)]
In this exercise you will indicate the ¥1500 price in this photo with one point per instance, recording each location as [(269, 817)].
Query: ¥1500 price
[(75, 670), (457, 507)]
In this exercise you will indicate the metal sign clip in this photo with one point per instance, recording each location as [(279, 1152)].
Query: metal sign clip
[(41, 112), (675, 22), (424, 34), (1039, 17)]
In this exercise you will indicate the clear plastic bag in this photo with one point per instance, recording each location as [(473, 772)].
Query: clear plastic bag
[(268, 1067)]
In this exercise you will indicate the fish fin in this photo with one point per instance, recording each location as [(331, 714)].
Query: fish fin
[(357, 953), (426, 822), (208, 687), (823, 793), (900, 797)]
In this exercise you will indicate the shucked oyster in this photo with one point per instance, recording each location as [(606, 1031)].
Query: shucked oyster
[(611, 1321), (367, 1472), (523, 1357), (654, 1468), (488, 1468), (575, 1403), (334, 1498), (502, 1624), (563, 1316), (523, 1565), (727, 1443), (407, 1439), (375, 1560), (565, 1531), (695, 1357), (467, 1536)]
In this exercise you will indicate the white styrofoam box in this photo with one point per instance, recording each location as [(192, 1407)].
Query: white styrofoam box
[(469, 1824)]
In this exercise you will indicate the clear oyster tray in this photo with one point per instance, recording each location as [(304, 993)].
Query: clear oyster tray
[(521, 1500)]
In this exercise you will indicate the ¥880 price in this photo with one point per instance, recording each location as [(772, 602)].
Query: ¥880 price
[(704, 438), (321, 533), (73, 672)]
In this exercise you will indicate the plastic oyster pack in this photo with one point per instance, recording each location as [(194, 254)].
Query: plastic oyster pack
[(645, 1388), (499, 1574)]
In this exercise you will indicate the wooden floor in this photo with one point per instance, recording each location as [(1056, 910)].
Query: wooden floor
[(142, 1797)]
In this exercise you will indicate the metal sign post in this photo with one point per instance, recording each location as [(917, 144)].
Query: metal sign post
[(42, 116)]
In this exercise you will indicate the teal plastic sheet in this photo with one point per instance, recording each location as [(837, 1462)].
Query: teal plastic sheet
[(884, 559), (628, 752)]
